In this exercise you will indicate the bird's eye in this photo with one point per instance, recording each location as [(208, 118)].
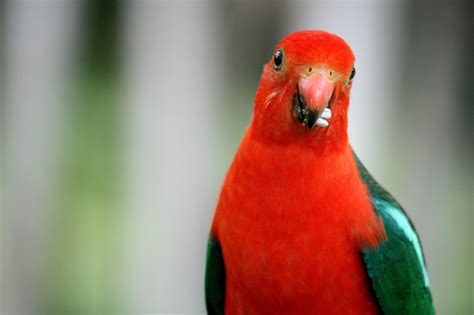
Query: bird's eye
[(353, 73), (278, 60)]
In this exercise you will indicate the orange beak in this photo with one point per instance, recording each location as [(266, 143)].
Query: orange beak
[(313, 96), (316, 90)]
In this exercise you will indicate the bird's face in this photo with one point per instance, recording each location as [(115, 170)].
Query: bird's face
[(304, 89)]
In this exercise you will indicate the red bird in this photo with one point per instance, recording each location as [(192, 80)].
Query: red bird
[(301, 227)]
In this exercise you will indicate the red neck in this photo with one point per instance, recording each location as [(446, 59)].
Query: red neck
[(278, 180), (294, 177)]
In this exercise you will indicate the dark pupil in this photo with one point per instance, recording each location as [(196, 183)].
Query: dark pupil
[(278, 58), (353, 73)]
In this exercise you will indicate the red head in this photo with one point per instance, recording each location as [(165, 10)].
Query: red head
[(308, 72)]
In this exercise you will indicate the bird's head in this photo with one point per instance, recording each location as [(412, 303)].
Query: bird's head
[(303, 95)]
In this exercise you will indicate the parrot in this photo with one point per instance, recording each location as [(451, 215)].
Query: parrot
[(300, 226)]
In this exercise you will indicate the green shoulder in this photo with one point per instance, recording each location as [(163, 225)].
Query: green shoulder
[(397, 266), (214, 278)]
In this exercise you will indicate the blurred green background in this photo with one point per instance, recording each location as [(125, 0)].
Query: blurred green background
[(119, 119)]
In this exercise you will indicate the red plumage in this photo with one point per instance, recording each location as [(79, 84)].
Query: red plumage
[(293, 212)]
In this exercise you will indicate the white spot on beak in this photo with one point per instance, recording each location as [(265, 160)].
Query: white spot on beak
[(326, 113), (322, 122)]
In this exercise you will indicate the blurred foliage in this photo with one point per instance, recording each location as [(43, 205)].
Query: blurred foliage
[(83, 263)]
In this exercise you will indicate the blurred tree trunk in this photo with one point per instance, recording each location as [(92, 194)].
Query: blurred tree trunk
[(174, 97), (37, 54)]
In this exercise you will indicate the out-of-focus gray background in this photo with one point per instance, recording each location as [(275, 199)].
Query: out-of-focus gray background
[(119, 119)]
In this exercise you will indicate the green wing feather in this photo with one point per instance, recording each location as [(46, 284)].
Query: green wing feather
[(396, 267), (215, 278)]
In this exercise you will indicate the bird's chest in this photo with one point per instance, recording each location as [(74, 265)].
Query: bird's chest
[(281, 236), (286, 250), (285, 240)]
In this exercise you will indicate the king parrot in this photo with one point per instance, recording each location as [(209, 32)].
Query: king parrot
[(301, 227)]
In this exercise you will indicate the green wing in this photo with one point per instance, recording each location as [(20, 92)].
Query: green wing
[(215, 278), (396, 267)]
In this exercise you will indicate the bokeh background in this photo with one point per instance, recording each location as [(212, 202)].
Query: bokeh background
[(119, 119)]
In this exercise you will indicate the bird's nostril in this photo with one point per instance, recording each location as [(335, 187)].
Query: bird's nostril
[(310, 69)]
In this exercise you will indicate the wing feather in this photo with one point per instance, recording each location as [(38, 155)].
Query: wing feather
[(397, 266)]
